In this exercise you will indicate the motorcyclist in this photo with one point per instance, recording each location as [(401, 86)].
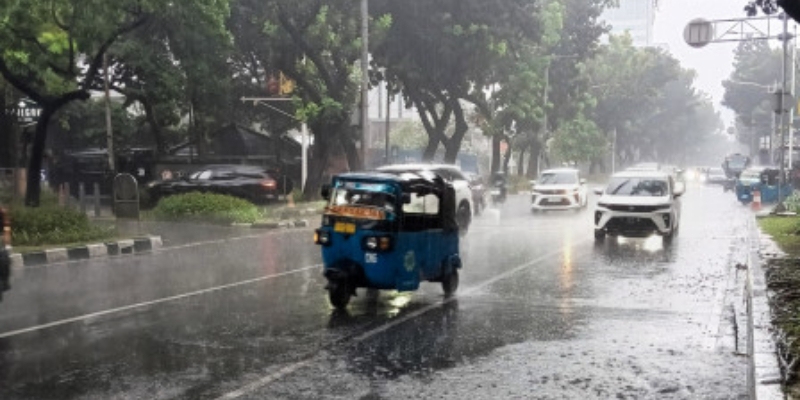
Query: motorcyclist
[(500, 182), (5, 257)]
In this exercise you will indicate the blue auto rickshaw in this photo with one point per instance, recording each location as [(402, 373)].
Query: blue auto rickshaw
[(765, 180), (388, 231)]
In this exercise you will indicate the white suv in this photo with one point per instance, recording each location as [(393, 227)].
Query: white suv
[(638, 204), (558, 189), (452, 174)]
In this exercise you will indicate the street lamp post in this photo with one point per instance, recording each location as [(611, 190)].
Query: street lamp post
[(364, 80)]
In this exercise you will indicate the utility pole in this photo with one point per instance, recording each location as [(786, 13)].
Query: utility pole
[(109, 127), (614, 151), (387, 149), (791, 109), (364, 81)]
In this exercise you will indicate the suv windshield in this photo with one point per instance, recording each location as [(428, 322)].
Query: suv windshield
[(558, 178), (629, 186)]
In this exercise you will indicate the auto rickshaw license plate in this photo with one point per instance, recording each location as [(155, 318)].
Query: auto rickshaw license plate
[(344, 227)]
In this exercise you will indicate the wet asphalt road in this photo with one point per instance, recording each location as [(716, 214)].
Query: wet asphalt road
[(542, 312)]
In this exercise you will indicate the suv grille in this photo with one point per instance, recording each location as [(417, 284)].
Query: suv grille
[(551, 191), (635, 209), (631, 225)]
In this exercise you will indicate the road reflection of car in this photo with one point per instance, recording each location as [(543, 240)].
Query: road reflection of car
[(5, 250), (256, 184), (456, 177), (765, 180), (388, 231), (558, 189), (639, 204), (478, 188)]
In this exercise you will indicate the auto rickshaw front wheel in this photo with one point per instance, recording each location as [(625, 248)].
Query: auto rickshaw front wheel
[(339, 294), (450, 282)]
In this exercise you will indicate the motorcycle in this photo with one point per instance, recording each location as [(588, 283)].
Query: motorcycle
[(499, 189)]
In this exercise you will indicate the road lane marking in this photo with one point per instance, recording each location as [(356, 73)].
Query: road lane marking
[(153, 302), (291, 368)]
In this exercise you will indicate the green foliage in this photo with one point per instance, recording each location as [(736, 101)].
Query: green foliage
[(579, 140), (792, 203), (50, 224), (756, 67), (206, 207)]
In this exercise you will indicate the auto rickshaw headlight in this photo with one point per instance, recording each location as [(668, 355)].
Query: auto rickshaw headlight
[(371, 243), (322, 237)]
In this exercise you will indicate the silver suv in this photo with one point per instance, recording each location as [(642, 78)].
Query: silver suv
[(452, 174), (639, 204)]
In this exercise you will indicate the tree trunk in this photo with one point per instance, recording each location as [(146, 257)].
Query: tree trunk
[(155, 127), (430, 149), (318, 165), (34, 183), (354, 162), (453, 145), (533, 159), (521, 162), (496, 140), (507, 158)]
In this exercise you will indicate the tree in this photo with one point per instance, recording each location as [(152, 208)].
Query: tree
[(52, 52), (177, 62), (442, 53), (756, 67), (626, 83), (316, 44)]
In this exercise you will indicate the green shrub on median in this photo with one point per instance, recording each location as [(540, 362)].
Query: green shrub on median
[(51, 224), (206, 207)]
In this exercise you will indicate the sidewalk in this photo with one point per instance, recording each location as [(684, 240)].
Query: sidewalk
[(764, 375)]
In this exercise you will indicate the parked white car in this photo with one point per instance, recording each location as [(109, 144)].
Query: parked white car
[(453, 174), (639, 204), (558, 189)]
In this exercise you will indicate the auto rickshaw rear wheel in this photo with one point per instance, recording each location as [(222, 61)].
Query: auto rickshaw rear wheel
[(450, 282), (339, 294)]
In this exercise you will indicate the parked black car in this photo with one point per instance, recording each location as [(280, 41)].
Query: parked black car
[(256, 184)]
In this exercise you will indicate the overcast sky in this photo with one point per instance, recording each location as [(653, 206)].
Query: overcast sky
[(713, 63)]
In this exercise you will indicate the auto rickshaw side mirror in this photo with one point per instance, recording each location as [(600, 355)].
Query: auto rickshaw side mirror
[(325, 191), (406, 198)]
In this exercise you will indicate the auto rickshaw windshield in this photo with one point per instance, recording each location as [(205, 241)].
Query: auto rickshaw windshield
[(750, 176), (351, 193)]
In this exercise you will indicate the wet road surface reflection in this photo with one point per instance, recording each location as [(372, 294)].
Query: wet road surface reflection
[(542, 312)]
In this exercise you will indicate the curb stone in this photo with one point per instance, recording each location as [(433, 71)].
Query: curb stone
[(96, 250)]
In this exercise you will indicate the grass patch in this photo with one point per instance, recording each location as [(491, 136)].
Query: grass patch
[(783, 280), (785, 231)]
